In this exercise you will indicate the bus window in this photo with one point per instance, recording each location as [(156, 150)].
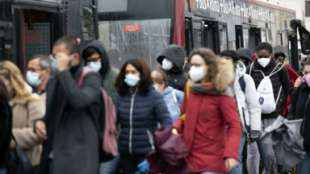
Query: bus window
[(127, 39)]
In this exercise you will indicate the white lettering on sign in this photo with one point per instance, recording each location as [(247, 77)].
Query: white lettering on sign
[(237, 8)]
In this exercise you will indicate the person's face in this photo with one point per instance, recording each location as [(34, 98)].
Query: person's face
[(34, 66), (157, 78), (306, 70), (94, 58), (280, 59), (130, 69), (263, 54), (61, 48), (198, 61)]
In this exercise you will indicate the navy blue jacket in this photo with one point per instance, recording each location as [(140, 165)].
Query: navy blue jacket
[(138, 116)]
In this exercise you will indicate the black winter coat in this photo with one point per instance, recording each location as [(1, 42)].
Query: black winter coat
[(300, 109), (279, 79), (138, 117), (5, 131), (73, 140), (176, 76)]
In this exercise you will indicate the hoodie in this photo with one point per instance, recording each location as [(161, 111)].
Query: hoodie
[(176, 76), (107, 73)]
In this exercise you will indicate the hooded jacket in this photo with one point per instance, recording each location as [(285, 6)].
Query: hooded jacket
[(176, 76), (247, 101), (211, 129), (108, 73)]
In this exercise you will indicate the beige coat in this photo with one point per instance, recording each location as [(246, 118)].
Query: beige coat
[(25, 112)]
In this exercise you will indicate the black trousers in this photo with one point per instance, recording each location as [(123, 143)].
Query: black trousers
[(128, 164)]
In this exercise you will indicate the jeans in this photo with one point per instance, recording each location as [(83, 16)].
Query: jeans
[(305, 166), (3, 171), (238, 168), (108, 167), (253, 158)]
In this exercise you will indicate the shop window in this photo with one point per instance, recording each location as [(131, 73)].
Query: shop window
[(130, 39)]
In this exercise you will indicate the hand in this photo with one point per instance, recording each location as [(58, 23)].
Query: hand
[(254, 135), (174, 131), (298, 82), (230, 163), (40, 129), (63, 61)]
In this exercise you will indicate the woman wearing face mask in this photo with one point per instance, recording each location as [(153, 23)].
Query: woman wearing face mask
[(211, 128), (26, 108), (173, 97), (139, 110), (97, 59), (300, 109)]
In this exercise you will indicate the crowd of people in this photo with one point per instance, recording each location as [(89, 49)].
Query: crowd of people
[(72, 112)]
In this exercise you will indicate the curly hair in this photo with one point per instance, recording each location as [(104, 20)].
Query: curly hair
[(20, 89), (210, 59), (145, 77)]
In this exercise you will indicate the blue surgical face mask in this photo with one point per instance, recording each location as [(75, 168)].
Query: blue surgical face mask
[(54, 62), (132, 80), (33, 78), (95, 66)]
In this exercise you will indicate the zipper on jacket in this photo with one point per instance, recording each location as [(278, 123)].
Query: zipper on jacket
[(151, 140), (130, 121)]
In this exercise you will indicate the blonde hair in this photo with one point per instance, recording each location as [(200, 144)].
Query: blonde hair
[(20, 89)]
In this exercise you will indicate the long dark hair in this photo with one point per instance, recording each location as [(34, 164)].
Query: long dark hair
[(145, 77)]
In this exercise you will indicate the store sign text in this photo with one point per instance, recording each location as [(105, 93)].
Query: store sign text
[(237, 8)]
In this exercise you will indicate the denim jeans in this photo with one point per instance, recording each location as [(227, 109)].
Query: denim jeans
[(238, 168), (305, 166), (3, 171), (108, 167)]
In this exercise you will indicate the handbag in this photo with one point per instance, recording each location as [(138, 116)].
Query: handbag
[(19, 162)]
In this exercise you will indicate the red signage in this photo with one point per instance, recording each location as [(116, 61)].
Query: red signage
[(132, 28)]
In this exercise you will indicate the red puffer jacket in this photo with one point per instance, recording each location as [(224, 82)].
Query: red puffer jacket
[(211, 131)]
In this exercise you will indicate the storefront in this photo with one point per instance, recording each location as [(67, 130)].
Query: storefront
[(38, 23)]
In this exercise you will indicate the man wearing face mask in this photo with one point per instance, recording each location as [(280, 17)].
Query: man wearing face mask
[(72, 144), (97, 59), (38, 74), (272, 83), (172, 60)]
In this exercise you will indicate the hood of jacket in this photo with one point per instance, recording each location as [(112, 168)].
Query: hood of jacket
[(105, 63), (245, 53), (240, 69), (175, 54)]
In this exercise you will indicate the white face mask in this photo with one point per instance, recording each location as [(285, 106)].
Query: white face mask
[(264, 61), (132, 80), (167, 64), (196, 73), (95, 66)]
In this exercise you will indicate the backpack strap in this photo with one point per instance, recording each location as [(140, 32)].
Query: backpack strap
[(242, 83), (278, 68), (85, 71)]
